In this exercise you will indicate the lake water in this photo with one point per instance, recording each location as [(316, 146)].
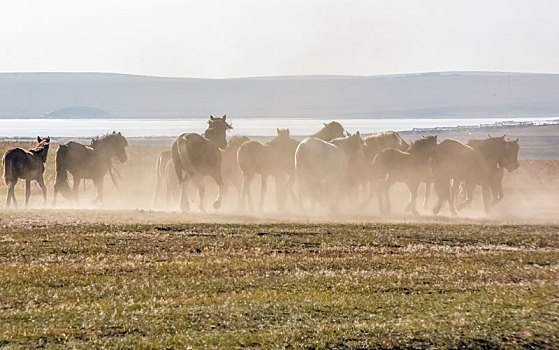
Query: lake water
[(244, 126)]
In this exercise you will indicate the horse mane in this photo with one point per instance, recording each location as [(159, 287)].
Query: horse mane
[(109, 138)]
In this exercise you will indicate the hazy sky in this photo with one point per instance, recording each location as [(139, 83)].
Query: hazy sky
[(237, 38)]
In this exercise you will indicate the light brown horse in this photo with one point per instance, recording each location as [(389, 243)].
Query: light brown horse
[(330, 131), (375, 143), (196, 156), (28, 165), (392, 165), (87, 162), (453, 163), (285, 147), (273, 158), (321, 168), (165, 174), (498, 154)]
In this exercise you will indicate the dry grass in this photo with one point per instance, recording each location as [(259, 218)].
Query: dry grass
[(127, 279)]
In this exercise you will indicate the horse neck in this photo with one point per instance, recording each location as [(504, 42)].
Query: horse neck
[(214, 135), (39, 155), (103, 150), (493, 153), (324, 135)]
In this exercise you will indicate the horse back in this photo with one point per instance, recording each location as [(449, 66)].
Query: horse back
[(198, 153)]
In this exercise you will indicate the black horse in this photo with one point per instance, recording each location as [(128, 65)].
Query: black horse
[(87, 162)]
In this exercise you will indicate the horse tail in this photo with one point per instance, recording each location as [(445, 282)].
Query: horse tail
[(177, 160), (8, 163), (61, 181)]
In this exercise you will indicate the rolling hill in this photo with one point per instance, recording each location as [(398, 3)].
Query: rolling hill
[(432, 95)]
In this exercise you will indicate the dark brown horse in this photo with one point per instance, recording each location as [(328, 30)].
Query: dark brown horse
[(196, 156), (412, 167), (87, 162), (27, 165), (329, 132), (456, 162), (276, 157), (498, 154)]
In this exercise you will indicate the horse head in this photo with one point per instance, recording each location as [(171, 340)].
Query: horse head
[(425, 146), (510, 159), (330, 131), (217, 130), (42, 149), (113, 144)]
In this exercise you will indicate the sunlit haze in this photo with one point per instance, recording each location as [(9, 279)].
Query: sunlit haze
[(220, 39)]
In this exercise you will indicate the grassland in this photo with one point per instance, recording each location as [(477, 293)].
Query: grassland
[(127, 279)]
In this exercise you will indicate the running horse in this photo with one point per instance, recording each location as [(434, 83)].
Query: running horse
[(498, 154), (87, 162), (196, 156), (28, 165), (411, 167)]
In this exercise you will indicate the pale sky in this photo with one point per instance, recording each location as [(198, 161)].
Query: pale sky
[(241, 38)]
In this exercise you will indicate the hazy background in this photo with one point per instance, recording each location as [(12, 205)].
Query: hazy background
[(220, 39)]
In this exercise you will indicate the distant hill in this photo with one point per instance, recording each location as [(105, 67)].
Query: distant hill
[(432, 95)]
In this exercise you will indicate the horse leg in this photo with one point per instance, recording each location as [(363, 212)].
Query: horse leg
[(245, 192), (11, 199), (99, 187), (442, 188), (281, 186), (263, 188), (41, 183), (290, 184), (485, 188), (412, 206), (76, 187), (427, 193), (27, 192), (184, 203), (220, 188), (199, 182), (386, 193)]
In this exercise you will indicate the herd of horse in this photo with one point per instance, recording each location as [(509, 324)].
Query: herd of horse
[(319, 172)]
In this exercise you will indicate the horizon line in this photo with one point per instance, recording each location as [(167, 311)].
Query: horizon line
[(458, 72)]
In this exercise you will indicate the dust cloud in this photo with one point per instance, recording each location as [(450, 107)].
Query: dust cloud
[(531, 195)]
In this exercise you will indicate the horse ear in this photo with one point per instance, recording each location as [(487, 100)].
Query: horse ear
[(114, 132), (277, 131), (358, 134), (288, 133), (324, 124), (119, 133), (347, 134), (503, 137), (39, 139), (224, 117), (212, 117)]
